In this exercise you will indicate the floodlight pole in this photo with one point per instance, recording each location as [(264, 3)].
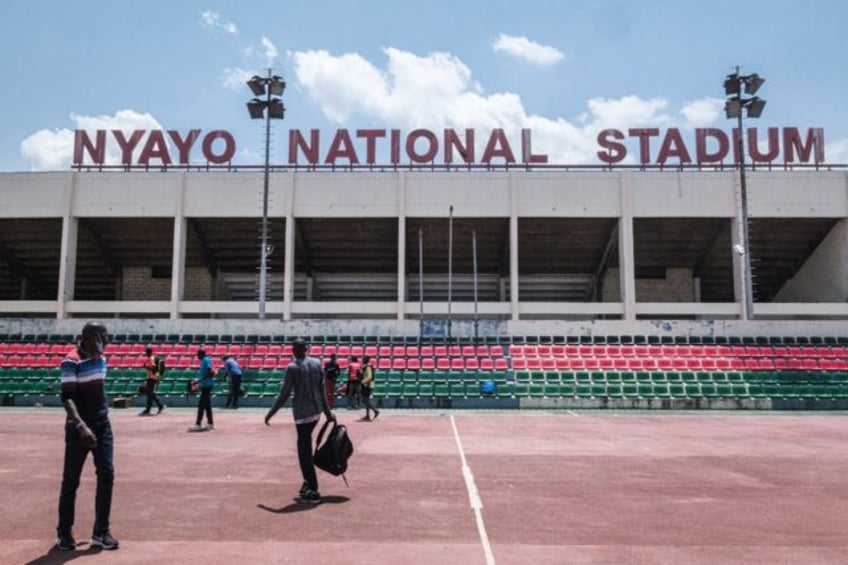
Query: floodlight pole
[(263, 250), (270, 88), (746, 257), (736, 104)]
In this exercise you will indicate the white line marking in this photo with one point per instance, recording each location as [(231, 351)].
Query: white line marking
[(573, 413), (474, 498)]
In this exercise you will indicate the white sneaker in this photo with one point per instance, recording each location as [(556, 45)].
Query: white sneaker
[(208, 427), (195, 428)]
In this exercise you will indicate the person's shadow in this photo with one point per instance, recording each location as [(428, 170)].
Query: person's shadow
[(54, 555), (298, 505)]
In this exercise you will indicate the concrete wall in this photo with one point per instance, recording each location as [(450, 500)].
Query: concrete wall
[(824, 276)]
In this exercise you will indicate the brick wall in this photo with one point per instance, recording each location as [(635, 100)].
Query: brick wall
[(138, 284), (677, 286)]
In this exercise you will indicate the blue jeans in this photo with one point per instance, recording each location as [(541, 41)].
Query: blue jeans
[(75, 453)]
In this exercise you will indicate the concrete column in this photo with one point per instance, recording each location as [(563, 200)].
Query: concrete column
[(178, 254), (736, 238), (288, 264), (627, 263), (68, 252), (513, 246), (401, 263)]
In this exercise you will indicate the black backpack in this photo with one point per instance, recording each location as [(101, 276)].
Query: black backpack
[(332, 455)]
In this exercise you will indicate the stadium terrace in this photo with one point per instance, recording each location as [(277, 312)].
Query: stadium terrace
[(424, 146)]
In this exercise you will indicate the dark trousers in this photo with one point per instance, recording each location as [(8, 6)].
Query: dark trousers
[(331, 393), (75, 453), (235, 391), (204, 404), (304, 454), (150, 389)]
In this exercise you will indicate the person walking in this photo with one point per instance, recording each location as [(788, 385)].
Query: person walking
[(87, 428), (353, 376), (234, 372), (153, 365), (305, 378), (205, 382), (331, 375), (367, 387)]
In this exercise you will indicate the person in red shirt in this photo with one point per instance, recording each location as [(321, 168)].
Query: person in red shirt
[(353, 377), (153, 368)]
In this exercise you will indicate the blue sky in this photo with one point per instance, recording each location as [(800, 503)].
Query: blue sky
[(564, 68)]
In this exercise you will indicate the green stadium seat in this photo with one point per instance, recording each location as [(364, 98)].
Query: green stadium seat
[(583, 389), (598, 390), (740, 390), (708, 389), (677, 390), (536, 389), (442, 390), (613, 377), (425, 390), (629, 390), (522, 376), (410, 389), (615, 390), (521, 390)]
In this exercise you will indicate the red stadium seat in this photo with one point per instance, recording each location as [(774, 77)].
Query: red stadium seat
[(469, 351), (427, 351), (385, 363), (516, 350), (399, 351), (413, 364), (496, 351), (519, 363), (482, 351), (501, 364), (443, 363), (427, 364), (487, 364), (472, 363), (384, 351)]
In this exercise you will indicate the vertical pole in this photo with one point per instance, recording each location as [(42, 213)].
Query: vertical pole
[(746, 258), (420, 284), (263, 249), (474, 266), (450, 266)]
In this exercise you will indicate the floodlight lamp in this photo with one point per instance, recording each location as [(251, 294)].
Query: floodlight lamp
[(276, 109), (733, 108), (256, 109), (277, 85), (753, 83), (754, 107), (257, 85), (731, 84)]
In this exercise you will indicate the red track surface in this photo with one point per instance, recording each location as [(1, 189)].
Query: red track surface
[(566, 487)]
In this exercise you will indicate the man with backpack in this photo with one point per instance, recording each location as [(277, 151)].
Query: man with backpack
[(155, 368), (305, 378)]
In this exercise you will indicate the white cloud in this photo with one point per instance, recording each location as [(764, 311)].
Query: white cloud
[(270, 51), (531, 51), (53, 149), (235, 78), (704, 112), (212, 20), (438, 91)]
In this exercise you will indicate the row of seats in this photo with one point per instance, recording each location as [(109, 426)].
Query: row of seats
[(683, 363), (658, 351)]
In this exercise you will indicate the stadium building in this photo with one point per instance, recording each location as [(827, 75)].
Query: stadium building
[(458, 252)]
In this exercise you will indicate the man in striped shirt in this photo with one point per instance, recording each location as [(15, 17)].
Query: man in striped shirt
[(87, 428)]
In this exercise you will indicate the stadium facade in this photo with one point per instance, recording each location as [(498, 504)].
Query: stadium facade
[(395, 250)]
